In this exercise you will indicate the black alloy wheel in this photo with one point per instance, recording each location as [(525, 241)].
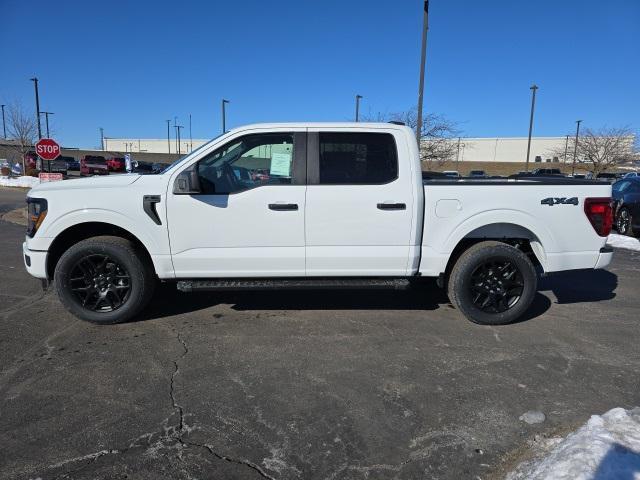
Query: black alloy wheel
[(100, 283), (497, 285)]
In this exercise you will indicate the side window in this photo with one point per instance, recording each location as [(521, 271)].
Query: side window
[(357, 158), (248, 162)]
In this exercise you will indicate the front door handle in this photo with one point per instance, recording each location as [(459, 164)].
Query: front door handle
[(279, 207), (392, 206)]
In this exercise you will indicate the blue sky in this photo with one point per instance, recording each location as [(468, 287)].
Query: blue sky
[(128, 66)]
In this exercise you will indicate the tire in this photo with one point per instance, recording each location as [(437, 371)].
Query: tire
[(125, 280), (624, 222), (478, 272)]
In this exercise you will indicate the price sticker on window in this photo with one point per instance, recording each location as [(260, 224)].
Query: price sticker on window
[(280, 164)]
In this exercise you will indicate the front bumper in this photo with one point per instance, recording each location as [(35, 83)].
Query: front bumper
[(605, 257), (35, 262)]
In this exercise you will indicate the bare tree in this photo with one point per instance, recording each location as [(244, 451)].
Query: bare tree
[(605, 148), (21, 128), (437, 145)]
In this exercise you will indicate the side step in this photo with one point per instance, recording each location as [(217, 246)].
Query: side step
[(292, 284)]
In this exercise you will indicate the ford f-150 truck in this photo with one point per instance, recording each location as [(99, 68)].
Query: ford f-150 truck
[(317, 205)]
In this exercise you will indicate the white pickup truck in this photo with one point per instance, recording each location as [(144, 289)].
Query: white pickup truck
[(311, 205)]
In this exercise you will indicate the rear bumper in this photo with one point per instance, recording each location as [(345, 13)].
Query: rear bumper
[(35, 262), (605, 257)]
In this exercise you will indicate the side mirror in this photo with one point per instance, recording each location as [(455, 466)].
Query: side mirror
[(187, 182)]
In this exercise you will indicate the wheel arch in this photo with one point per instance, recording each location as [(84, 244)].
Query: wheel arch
[(81, 231)]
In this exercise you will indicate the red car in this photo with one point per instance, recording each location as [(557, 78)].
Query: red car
[(93, 165), (116, 164)]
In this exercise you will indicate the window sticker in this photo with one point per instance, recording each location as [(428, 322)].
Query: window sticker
[(280, 164)]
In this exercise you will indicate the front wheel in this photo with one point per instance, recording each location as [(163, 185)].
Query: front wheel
[(492, 283), (104, 280)]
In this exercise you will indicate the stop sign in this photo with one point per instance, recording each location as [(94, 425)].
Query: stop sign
[(47, 149)]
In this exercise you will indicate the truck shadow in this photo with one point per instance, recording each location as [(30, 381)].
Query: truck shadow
[(576, 286), (425, 296)]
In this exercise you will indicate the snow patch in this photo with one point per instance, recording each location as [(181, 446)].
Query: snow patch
[(622, 241), (22, 182), (607, 447)]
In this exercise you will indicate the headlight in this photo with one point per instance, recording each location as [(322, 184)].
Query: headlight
[(36, 212)]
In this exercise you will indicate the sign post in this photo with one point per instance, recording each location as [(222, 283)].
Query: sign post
[(48, 149)]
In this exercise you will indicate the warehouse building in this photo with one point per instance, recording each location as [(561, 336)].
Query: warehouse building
[(500, 149)]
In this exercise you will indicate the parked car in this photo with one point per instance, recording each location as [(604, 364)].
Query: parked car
[(115, 164), (72, 164), (142, 167), (607, 177), (549, 172), (31, 161), (158, 167), (631, 175), (478, 174), (451, 173), (93, 165), (344, 206), (626, 205)]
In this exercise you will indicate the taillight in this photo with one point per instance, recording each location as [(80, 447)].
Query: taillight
[(599, 211)]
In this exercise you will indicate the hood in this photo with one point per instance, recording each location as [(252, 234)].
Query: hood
[(105, 181)]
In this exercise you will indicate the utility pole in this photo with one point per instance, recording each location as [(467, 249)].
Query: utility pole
[(533, 89), (46, 116), (224, 116), (575, 147), (102, 138), (190, 136), (358, 97), (4, 126), (35, 83), (175, 124), (423, 58), (566, 146), (178, 127), (168, 136), (458, 155)]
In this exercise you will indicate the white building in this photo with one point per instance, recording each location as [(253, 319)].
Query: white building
[(151, 145), (514, 149)]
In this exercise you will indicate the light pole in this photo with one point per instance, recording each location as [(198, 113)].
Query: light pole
[(458, 154), (35, 83), (423, 59), (168, 137), (575, 147), (358, 97), (178, 127), (4, 127), (46, 116), (566, 147), (102, 145), (224, 116), (533, 88), (190, 135)]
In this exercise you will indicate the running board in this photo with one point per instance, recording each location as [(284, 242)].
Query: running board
[(292, 284)]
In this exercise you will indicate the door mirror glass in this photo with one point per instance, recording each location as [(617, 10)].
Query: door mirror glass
[(187, 182)]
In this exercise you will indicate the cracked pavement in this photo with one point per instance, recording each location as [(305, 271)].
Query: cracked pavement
[(304, 385)]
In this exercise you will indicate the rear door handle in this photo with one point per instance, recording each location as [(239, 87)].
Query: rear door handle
[(392, 206), (279, 207)]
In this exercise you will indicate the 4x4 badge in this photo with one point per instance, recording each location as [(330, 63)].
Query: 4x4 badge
[(551, 201)]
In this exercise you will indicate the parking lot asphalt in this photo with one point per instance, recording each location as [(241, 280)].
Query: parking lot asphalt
[(309, 385)]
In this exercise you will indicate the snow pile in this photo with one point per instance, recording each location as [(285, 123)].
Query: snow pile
[(622, 241), (607, 447), (24, 182)]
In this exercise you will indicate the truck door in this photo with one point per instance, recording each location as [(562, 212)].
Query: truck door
[(248, 218), (360, 205)]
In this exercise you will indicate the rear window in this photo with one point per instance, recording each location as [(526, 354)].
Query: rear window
[(357, 158)]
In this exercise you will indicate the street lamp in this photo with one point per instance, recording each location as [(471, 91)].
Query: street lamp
[(4, 127), (178, 127), (168, 136), (35, 83), (533, 88), (224, 116), (423, 59), (358, 97), (575, 147), (46, 116), (566, 147)]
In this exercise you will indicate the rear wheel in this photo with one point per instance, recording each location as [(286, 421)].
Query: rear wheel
[(492, 283), (104, 280), (624, 222)]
